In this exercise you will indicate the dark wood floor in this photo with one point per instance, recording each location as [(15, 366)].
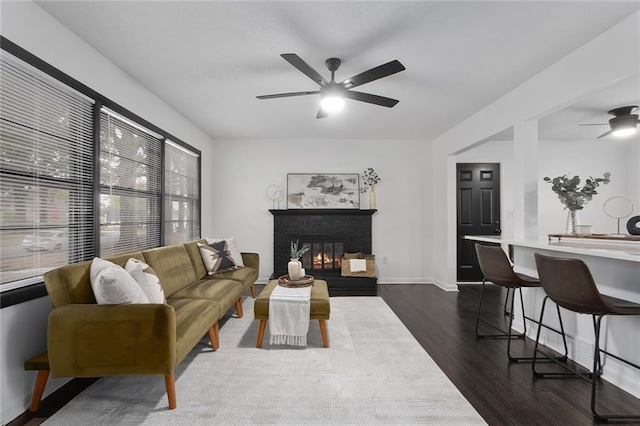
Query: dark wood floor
[(503, 393), (443, 323)]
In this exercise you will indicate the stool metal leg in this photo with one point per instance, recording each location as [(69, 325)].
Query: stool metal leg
[(597, 367), (524, 322), (561, 332), (569, 371), (561, 358), (506, 300), (596, 332), (503, 334), (509, 333)]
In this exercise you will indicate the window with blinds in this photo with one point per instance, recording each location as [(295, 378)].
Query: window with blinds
[(182, 194), (130, 186), (57, 206), (46, 174)]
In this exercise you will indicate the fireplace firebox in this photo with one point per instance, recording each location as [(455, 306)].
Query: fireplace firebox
[(329, 233), (323, 255)]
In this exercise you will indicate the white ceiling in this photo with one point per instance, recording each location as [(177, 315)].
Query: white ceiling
[(209, 59), (563, 125)]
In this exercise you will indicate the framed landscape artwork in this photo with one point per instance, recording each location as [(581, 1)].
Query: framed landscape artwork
[(323, 191)]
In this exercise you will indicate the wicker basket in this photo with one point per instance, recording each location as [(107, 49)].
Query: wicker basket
[(369, 273)]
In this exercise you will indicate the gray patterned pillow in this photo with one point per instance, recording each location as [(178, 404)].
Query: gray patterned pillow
[(217, 257), (233, 248)]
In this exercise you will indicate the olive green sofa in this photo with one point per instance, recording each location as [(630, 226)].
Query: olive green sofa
[(85, 339)]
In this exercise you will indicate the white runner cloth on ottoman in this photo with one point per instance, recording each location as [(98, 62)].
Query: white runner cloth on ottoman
[(289, 310)]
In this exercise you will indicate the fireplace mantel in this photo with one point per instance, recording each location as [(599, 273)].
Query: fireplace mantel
[(352, 227), (322, 212)]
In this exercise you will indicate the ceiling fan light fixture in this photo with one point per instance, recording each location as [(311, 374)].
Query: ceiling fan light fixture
[(332, 94), (625, 125), (332, 103), (625, 131), (332, 98)]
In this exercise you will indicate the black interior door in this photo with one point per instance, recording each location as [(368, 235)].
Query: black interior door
[(478, 211)]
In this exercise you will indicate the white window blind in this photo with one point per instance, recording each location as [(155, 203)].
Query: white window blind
[(182, 194), (46, 174), (130, 187)]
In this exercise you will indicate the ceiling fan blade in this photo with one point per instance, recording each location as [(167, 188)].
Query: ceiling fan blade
[(376, 73), (322, 113), (605, 134), (593, 124), (369, 98), (287, 95), (304, 68)]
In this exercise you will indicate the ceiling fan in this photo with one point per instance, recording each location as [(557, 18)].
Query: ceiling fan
[(623, 123), (332, 94)]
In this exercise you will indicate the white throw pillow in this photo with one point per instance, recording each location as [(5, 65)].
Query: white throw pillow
[(147, 279), (216, 257), (113, 285), (358, 265), (232, 247)]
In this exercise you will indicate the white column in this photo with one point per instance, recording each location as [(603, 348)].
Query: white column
[(635, 177), (525, 179)]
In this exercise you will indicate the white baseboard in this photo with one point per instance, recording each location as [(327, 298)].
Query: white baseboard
[(421, 281), (445, 286), (405, 281)]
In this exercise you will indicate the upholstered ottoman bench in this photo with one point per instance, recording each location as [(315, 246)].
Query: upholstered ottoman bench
[(320, 308)]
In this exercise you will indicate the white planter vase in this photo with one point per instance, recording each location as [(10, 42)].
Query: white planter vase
[(294, 267), (373, 204)]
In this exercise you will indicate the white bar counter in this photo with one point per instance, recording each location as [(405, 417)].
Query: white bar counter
[(613, 248), (615, 266)]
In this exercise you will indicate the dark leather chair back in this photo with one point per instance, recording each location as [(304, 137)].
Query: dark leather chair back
[(495, 266), (569, 283)]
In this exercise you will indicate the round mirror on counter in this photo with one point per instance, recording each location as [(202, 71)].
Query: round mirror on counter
[(618, 207)]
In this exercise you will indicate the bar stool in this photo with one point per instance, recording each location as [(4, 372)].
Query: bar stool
[(569, 283), (496, 268)]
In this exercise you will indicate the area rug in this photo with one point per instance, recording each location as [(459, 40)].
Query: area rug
[(374, 372)]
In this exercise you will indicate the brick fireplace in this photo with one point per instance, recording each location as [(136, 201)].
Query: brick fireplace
[(329, 233)]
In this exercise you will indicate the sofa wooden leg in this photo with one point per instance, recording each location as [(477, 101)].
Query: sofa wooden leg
[(253, 290), (239, 308), (263, 325), (323, 332), (214, 336), (170, 382), (41, 382)]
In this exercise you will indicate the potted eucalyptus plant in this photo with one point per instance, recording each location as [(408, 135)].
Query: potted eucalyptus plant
[(573, 197)]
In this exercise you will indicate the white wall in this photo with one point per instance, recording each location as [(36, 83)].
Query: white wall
[(586, 158), (582, 158), (23, 327), (243, 170), (560, 85)]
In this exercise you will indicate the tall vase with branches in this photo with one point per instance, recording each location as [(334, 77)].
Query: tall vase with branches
[(369, 180), (574, 198)]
